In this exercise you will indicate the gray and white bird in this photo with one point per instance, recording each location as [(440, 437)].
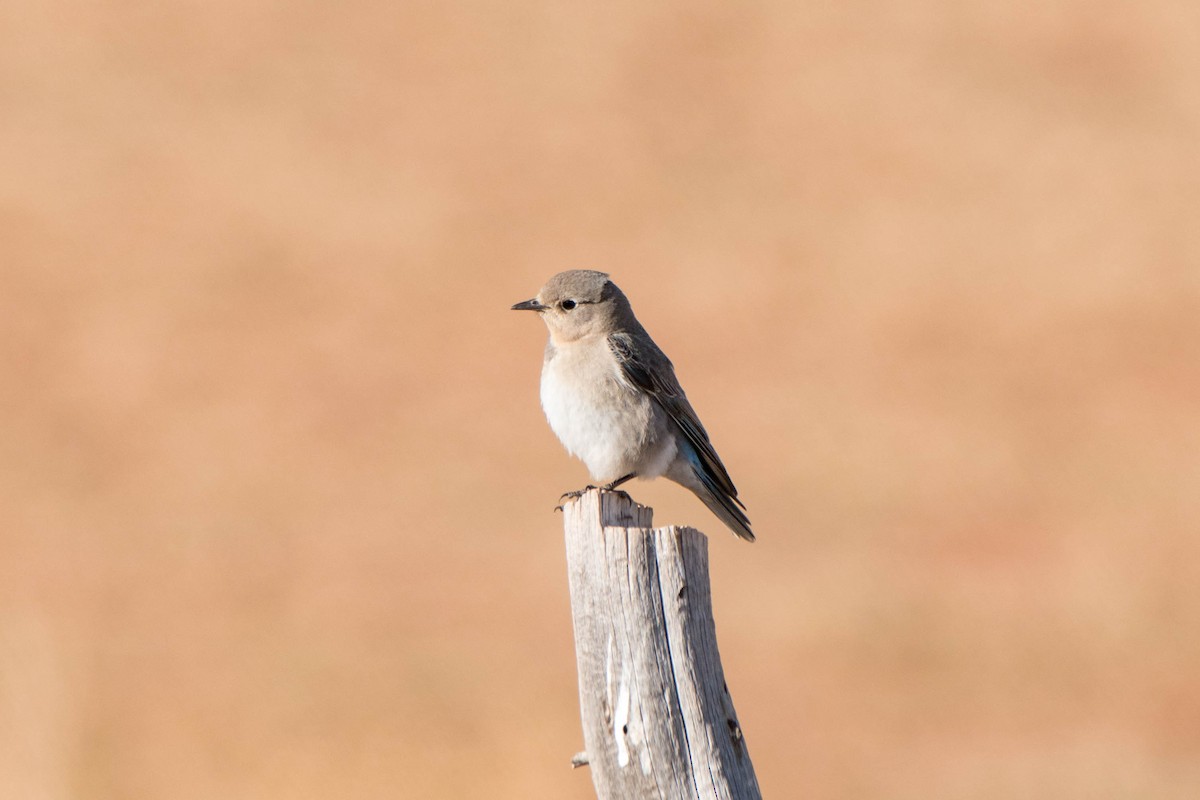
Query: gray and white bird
[(611, 396)]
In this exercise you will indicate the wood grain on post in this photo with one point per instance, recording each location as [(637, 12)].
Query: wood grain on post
[(658, 721)]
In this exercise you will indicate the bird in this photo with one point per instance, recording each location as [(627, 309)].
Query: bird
[(611, 396)]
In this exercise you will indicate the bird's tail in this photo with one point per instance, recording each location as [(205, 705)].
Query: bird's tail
[(723, 503)]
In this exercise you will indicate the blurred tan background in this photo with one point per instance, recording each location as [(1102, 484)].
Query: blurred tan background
[(275, 488)]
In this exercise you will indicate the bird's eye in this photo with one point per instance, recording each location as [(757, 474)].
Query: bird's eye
[(567, 305)]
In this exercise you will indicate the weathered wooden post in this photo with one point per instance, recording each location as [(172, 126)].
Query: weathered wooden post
[(658, 721)]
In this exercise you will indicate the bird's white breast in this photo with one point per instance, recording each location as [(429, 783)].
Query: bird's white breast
[(599, 417)]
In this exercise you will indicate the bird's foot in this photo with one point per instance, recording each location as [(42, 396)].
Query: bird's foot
[(578, 493), (620, 492), (575, 495)]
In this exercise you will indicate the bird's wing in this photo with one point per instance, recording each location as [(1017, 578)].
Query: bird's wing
[(648, 368)]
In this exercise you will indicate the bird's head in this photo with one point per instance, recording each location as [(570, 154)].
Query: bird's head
[(577, 304)]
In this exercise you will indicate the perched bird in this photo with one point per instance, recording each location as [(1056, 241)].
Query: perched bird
[(612, 398)]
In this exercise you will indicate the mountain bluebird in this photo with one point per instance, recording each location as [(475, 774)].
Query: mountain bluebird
[(612, 398)]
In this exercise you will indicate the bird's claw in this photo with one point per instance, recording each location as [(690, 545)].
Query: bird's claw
[(578, 493), (575, 495)]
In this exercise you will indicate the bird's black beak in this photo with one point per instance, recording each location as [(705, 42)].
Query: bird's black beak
[(529, 305)]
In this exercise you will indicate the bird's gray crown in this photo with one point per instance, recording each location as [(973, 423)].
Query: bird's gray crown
[(580, 285)]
